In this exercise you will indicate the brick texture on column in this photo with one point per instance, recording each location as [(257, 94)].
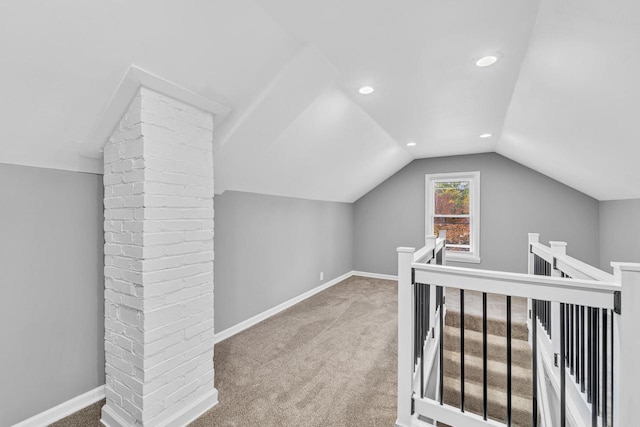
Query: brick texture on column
[(158, 198)]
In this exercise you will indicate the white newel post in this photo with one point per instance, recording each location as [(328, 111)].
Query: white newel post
[(405, 337), (158, 198), (533, 238), (431, 242), (442, 234), (626, 345), (557, 249)]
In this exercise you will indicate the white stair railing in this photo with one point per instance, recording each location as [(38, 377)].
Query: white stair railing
[(569, 283), (417, 355)]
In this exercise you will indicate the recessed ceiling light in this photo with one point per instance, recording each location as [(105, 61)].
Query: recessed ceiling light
[(485, 61), (411, 144), (485, 135), (366, 90)]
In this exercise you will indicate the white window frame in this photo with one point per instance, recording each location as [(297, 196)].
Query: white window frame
[(473, 256)]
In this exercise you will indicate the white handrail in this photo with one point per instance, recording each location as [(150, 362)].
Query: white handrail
[(542, 251), (580, 270), (430, 249), (585, 292), (569, 265)]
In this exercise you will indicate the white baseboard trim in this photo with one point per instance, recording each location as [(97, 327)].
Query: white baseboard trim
[(64, 409), (193, 411), (109, 418), (229, 332), (374, 275)]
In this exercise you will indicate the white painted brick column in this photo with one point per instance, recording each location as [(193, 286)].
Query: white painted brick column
[(158, 198)]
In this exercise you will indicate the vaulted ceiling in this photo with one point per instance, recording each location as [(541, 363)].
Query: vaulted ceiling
[(563, 98)]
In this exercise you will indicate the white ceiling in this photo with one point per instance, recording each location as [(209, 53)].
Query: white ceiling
[(563, 98)]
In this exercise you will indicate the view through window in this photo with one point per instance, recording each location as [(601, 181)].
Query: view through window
[(451, 213), (452, 205)]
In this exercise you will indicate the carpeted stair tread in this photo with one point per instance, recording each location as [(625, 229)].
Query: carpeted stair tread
[(521, 410), (496, 372), (495, 325), (496, 346)]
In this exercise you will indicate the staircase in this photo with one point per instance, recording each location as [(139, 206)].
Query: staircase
[(496, 356)]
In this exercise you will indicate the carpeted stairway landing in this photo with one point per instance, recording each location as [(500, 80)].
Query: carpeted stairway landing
[(496, 360), (330, 360)]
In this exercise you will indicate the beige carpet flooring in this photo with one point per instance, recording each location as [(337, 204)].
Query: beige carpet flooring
[(327, 361)]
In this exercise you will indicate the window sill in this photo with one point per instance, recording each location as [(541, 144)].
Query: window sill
[(454, 257)]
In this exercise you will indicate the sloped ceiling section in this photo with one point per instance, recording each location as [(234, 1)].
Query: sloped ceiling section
[(303, 137), (61, 63), (575, 110)]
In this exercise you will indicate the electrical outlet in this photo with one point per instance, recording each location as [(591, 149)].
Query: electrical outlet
[(321, 275)]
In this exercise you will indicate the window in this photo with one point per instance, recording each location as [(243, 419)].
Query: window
[(453, 204)]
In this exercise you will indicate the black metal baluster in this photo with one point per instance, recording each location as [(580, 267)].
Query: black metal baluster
[(509, 419), (547, 310), (594, 367), (563, 363), (540, 310), (604, 367), (566, 333), (462, 350), (570, 309), (425, 319), (415, 324), (579, 347), (534, 364), (613, 378), (422, 313), (550, 317), (582, 350), (428, 291), (484, 355), (590, 353), (540, 267), (441, 344), (547, 313)]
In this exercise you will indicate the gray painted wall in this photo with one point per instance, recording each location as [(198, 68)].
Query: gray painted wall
[(51, 275), (619, 232), (515, 200), (270, 249)]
